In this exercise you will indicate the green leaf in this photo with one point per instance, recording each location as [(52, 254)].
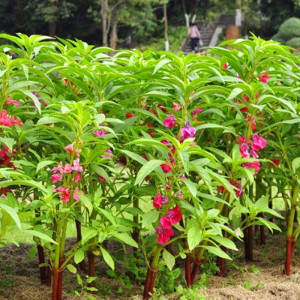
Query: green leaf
[(43, 164), (135, 156), (13, 214), (194, 236), (79, 256), (71, 268), (296, 164), (224, 242), (149, 218), (9, 142), (126, 238), (169, 259), (191, 187), (146, 169), (107, 258), (218, 252), (40, 235)]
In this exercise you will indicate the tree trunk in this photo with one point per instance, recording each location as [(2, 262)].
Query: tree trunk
[(166, 27), (52, 28), (114, 34), (104, 13)]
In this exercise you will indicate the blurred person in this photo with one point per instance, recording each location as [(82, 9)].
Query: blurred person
[(194, 35)]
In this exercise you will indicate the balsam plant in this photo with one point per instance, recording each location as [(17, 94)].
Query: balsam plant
[(174, 156)]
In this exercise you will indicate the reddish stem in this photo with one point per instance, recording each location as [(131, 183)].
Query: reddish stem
[(152, 283), (221, 263), (248, 243), (91, 260), (188, 275), (290, 246), (55, 284), (195, 270), (147, 284), (43, 269)]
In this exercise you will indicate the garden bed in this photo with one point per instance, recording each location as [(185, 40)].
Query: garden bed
[(261, 279)]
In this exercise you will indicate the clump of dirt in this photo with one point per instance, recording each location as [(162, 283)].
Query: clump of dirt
[(262, 279)]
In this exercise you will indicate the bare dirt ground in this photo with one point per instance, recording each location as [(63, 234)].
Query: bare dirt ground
[(262, 279)]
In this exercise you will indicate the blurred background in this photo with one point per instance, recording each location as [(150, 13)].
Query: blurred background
[(147, 24)]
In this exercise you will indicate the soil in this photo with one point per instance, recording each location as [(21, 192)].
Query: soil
[(262, 279)]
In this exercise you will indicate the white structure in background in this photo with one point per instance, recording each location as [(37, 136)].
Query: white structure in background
[(238, 17), (187, 19)]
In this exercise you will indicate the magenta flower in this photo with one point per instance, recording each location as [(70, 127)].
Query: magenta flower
[(196, 111), (253, 154), (108, 155), (244, 150), (166, 168), (252, 165), (64, 193), (176, 106), (102, 178), (170, 121), (187, 132), (172, 216), (100, 132), (59, 168), (67, 169), (157, 201), (56, 178), (164, 234), (258, 142)]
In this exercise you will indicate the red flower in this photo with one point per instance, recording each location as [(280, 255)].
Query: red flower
[(275, 162), (264, 77), (129, 115), (172, 216), (157, 201), (161, 108), (225, 66), (166, 168), (102, 178), (252, 165), (164, 234), (123, 160), (170, 121)]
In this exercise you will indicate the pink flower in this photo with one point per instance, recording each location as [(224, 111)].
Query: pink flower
[(67, 169), (7, 121), (176, 106), (164, 234), (76, 194), (252, 165), (70, 148), (157, 201), (179, 194), (187, 132), (56, 178), (264, 77), (172, 216), (244, 150), (64, 193), (76, 166), (102, 178), (77, 177), (196, 111), (258, 142), (100, 132), (13, 102), (107, 155), (59, 168), (253, 154), (252, 122), (170, 121), (166, 168), (168, 187)]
